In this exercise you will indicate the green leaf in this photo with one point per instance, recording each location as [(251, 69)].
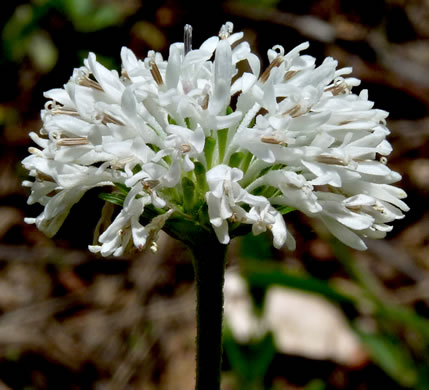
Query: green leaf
[(137, 168), (251, 361), (236, 159), (188, 122), (236, 358), (392, 356), (393, 313), (188, 187), (406, 317), (200, 174), (222, 136), (208, 150), (256, 247), (122, 188), (246, 162), (423, 380), (316, 384), (115, 198), (285, 209), (274, 274)]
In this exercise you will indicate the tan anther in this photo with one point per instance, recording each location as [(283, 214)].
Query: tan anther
[(274, 64), (325, 159), (339, 87), (294, 111), (154, 247), (125, 74), (379, 208), (355, 208), (33, 150), (64, 111), (322, 188), (288, 75), (85, 81), (120, 164), (110, 119), (223, 35), (185, 148), (72, 141), (148, 185), (156, 74), (44, 177), (262, 111), (205, 104), (226, 30), (272, 140), (233, 218)]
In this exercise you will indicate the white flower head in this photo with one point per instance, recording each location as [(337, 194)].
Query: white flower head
[(163, 139)]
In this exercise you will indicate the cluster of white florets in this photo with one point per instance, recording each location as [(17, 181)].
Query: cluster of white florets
[(165, 135)]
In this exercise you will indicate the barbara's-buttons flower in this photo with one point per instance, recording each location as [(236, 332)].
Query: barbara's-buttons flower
[(193, 137)]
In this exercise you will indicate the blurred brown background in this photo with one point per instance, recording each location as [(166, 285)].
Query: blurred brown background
[(70, 320)]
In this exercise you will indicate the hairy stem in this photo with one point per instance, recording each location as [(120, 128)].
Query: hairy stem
[(209, 266)]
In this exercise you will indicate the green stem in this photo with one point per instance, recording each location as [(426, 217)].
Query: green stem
[(209, 266)]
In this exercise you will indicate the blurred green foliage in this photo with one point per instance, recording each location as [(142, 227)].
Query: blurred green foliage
[(23, 35), (250, 362), (89, 15), (260, 3), (406, 363)]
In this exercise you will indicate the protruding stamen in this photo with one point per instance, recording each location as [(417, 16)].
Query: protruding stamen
[(339, 87), (237, 218), (85, 81), (185, 148), (35, 151), (187, 38), (65, 112), (290, 74), (383, 160), (56, 109), (294, 111), (156, 74), (148, 185), (120, 164), (226, 30), (72, 141), (44, 177), (356, 208), (205, 104), (273, 141), (326, 159), (125, 74), (110, 119), (274, 64), (379, 207)]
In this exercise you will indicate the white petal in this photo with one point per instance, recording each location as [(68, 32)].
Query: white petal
[(343, 234)]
